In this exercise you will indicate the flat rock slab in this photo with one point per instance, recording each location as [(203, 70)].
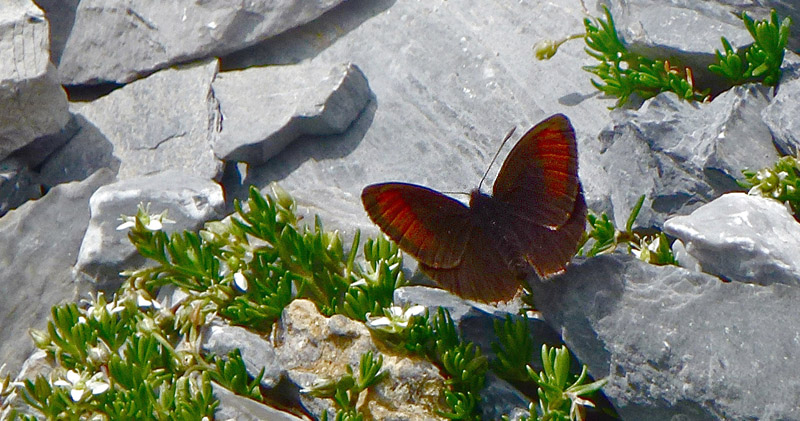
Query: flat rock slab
[(266, 108), (32, 103), (117, 41), (678, 344), (106, 251), (742, 238), (163, 122), (39, 243)]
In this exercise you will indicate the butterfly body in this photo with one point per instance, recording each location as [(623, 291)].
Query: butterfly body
[(532, 221)]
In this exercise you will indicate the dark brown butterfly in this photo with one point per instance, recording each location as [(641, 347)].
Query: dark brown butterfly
[(534, 218)]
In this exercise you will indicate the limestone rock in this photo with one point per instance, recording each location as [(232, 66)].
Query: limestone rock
[(307, 346), (235, 407), (163, 122), (266, 108), (152, 35), (32, 103), (678, 344), (742, 238), (686, 153), (106, 251), (39, 243)]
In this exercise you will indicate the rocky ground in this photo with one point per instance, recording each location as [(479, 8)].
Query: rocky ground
[(107, 104)]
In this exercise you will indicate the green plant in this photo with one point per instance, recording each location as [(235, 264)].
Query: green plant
[(437, 340), (559, 400), (514, 349), (781, 182), (653, 248), (623, 73), (346, 390), (761, 60), (118, 358)]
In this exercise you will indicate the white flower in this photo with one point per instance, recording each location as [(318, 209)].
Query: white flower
[(150, 222), (240, 281), (97, 303), (395, 319), (78, 385), (145, 302)]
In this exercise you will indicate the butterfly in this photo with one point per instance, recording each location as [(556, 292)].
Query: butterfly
[(534, 218)]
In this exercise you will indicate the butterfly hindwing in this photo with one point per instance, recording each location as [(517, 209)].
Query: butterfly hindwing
[(426, 224), (540, 175)]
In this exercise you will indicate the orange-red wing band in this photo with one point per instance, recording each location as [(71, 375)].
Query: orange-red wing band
[(540, 175), (426, 224)]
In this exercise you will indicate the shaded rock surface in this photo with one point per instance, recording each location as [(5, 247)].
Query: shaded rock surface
[(37, 264), (164, 122), (678, 344), (32, 102)]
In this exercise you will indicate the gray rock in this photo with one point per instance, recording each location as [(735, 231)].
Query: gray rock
[(87, 151), (257, 353), (235, 407), (33, 103), (686, 153), (149, 36), (266, 108), (678, 344), (39, 243), (742, 238), (642, 24), (105, 251), (163, 122), (780, 115), (17, 184)]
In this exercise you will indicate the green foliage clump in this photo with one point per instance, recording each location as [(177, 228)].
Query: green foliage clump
[(761, 60), (652, 248), (346, 390), (556, 399), (781, 182), (623, 73)]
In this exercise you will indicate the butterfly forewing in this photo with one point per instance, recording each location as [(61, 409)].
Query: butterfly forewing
[(428, 225), (540, 175)]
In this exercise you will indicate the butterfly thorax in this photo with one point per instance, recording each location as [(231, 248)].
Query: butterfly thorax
[(485, 208)]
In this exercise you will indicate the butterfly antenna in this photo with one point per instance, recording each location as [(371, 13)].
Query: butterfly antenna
[(508, 136)]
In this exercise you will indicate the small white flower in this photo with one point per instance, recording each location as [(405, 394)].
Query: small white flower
[(240, 281), (395, 319), (150, 222), (79, 385), (145, 302), (98, 302)]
